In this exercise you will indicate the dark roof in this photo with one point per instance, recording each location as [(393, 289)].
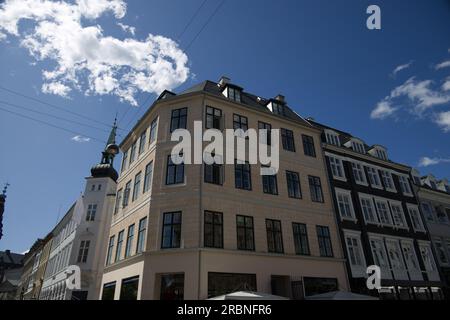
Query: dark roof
[(8, 257), (104, 170), (247, 99)]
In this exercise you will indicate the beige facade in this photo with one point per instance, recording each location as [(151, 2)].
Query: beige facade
[(192, 259)]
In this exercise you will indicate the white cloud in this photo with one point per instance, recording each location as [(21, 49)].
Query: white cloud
[(444, 64), (443, 120), (382, 110), (426, 161), (88, 60), (446, 85), (80, 139), (57, 88), (127, 28), (401, 67)]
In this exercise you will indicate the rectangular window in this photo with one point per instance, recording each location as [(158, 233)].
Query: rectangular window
[(398, 215), (293, 185), (315, 188), (270, 185), (137, 186), (323, 236), (332, 138), (358, 173), (126, 194), (171, 235), (91, 211), (213, 118), (109, 290), (118, 201), (354, 250), (130, 237), (387, 180), (245, 233), (214, 173), (383, 212), (416, 219), (83, 252), (404, 185), (175, 172), (110, 250), (287, 139), (358, 147), (300, 238), (337, 168), (124, 160), (141, 235), (142, 141), (119, 246), (234, 94), (268, 128), (153, 130), (381, 154), (277, 108), (428, 211), (374, 178), (240, 122), (172, 286), (368, 209), (440, 251), (308, 146), (129, 288), (213, 237), (395, 254), (345, 205), (274, 236), (148, 176), (178, 119), (133, 153), (242, 176), (379, 253)]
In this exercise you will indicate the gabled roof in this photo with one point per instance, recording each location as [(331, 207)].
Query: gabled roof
[(11, 257)]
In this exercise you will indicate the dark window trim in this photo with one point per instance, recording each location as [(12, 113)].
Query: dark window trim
[(245, 229), (213, 224)]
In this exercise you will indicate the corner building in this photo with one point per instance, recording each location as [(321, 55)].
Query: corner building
[(198, 231)]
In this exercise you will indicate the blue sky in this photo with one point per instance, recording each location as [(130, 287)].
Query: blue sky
[(319, 54)]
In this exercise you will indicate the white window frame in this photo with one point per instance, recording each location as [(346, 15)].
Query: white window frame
[(430, 264), (404, 181), (357, 146), (332, 138), (369, 198), (398, 204), (439, 240), (385, 201), (345, 193), (388, 175), (357, 270), (380, 240), (415, 208), (354, 165), (414, 272), (338, 162), (396, 243), (369, 174)]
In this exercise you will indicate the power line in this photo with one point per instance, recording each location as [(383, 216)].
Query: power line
[(51, 125), (54, 106), (51, 115), (192, 19), (204, 25)]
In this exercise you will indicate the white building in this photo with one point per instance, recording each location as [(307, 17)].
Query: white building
[(80, 238)]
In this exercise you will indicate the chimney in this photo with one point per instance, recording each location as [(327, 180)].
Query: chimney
[(224, 81), (280, 98)]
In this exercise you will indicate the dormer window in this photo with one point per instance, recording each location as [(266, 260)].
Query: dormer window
[(381, 154), (232, 93), (433, 184), (277, 108), (332, 138), (358, 146)]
